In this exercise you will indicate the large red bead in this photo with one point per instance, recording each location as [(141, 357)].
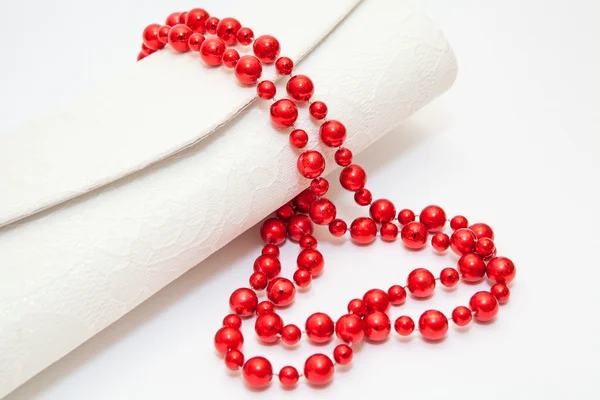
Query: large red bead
[(298, 226), (484, 306), (350, 328), (243, 302), (304, 200), (281, 292), (273, 231), (471, 267), (227, 339), (433, 217), (353, 178), (433, 325), (284, 65), (291, 334), (257, 372), (311, 164), (150, 37), (322, 211), (501, 270), (196, 19), (245, 36), (268, 327), (332, 133), (414, 235), (342, 354), (319, 327), (382, 210), (318, 369), (462, 241), (227, 30), (363, 230), (318, 110), (377, 326), (288, 376), (247, 70), (284, 113), (268, 265), (300, 88), (482, 230), (404, 325), (234, 360), (266, 48), (211, 51), (179, 38), (421, 283), (376, 300), (462, 316), (312, 260)]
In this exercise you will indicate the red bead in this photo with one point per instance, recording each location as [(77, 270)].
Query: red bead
[(363, 197), (377, 326), (211, 51), (163, 34), (179, 38), (449, 277), (231, 58), (406, 216), (353, 178), (338, 228), (232, 321), (343, 157), (308, 242), (319, 327), (298, 226), (458, 222), (342, 354), (312, 260), (462, 316), (363, 230), (281, 292), (265, 307), (211, 25), (350, 328), (382, 210), (397, 295), (172, 19), (484, 306), (243, 302), (482, 230), (285, 212), (433, 217), (245, 36), (357, 307), (318, 369), (182, 17), (291, 334), (284, 113), (266, 48), (376, 300), (227, 339), (146, 50), (227, 30), (485, 247), (322, 211), (433, 325), (501, 293), (302, 277), (257, 372), (234, 360), (196, 19), (414, 235), (258, 281), (389, 231), (268, 327), (195, 41), (318, 110), (404, 325), (311, 164), (266, 90), (270, 250), (421, 283), (462, 241), (150, 37), (141, 56), (284, 65), (288, 376), (248, 70), (471, 267), (300, 88), (501, 270), (332, 132), (273, 231), (304, 200), (440, 241), (319, 186)]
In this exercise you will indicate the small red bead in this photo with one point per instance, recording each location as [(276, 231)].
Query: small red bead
[(440, 241), (234, 360), (243, 302), (258, 281), (288, 376), (247, 70), (298, 226), (304, 200), (284, 65), (179, 38), (281, 292), (270, 250), (318, 369), (482, 230), (257, 372), (389, 231), (195, 41), (182, 17), (421, 283), (319, 327), (227, 30), (312, 260), (231, 58), (150, 37), (501, 270), (376, 300), (311, 164), (273, 231), (433, 217), (268, 327), (433, 325), (462, 316), (406, 216), (291, 334), (485, 247), (350, 328), (227, 339), (211, 25), (332, 132), (462, 241), (338, 227), (232, 321), (163, 34), (353, 178), (196, 19), (377, 326), (343, 157), (302, 277), (318, 110), (501, 293), (245, 36), (298, 138), (284, 113), (363, 197), (308, 242), (322, 211), (484, 306), (382, 210), (458, 222), (300, 88), (146, 50), (266, 48), (471, 267), (211, 51), (449, 277), (172, 19), (397, 295), (266, 90), (356, 306), (414, 235), (265, 307), (404, 325), (363, 230), (342, 354), (285, 212), (319, 186)]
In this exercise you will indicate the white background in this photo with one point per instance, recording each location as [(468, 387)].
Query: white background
[(515, 143)]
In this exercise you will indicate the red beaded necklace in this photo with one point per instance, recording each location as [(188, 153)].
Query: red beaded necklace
[(366, 317)]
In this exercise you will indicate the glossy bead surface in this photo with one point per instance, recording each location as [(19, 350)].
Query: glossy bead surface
[(196, 19), (382, 210), (311, 164), (227, 30), (501, 270), (433, 325), (281, 292), (342, 354), (232, 321), (311, 260), (482, 230), (298, 138), (266, 48), (179, 38), (440, 241), (449, 277), (265, 307), (284, 65), (318, 110), (195, 41), (273, 231), (150, 37), (284, 113), (248, 70), (338, 227), (211, 25), (163, 34), (243, 302), (258, 281), (404, 325), (146, 50), (376, 300), (459, 222), (363, 230), (319, 186), (257, 372), (302, 277), (172, 19), (343, 157), (462, 316), (300, 88), (266, 90), (414, 235), (141, 56), (363, 197), (268, 327), (356, 306), (406, 216), (353, 178), (234, 360), (433, 217), (332, 133), (288, 376), (318, 369), (231, 58), (388, 231), (462, 241), (377, 326), (182, 17), (308, 242), (298, 226), (485, 247), (396, 295), (501, 292), (268, 265), (322, 211), (291, 334), (227, 339), (421, 283), (484, 306), (350, 328), (211, 51), (285, 212), (471, 267), (245, 36), (319, 327), (304, 200)]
